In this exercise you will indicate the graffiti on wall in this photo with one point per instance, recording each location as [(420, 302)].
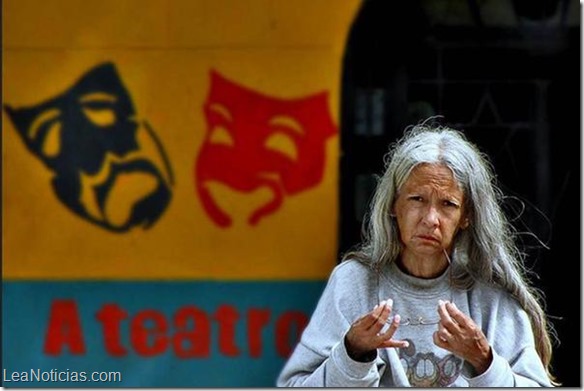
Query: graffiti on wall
[(254, 140), (109, 167), (112, 170)]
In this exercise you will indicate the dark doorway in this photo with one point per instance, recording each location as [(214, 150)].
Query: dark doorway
[(507, 73)]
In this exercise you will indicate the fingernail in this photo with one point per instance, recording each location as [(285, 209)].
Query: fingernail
[(376, 305), (397, 318), (390, 302), (440, 302), (406, 344)]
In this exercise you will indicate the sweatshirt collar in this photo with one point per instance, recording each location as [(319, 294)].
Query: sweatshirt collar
[(408, 283)]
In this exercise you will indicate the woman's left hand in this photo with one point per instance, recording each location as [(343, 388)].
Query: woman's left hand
[(460, 335)]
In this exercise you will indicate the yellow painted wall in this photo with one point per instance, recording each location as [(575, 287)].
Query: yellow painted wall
[(164, 51)]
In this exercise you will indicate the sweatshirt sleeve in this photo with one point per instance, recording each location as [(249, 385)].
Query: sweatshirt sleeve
[(525, 371), (515, 360), (320, 358)]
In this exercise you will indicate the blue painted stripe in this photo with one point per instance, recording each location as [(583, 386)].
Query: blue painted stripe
[(27, 311)]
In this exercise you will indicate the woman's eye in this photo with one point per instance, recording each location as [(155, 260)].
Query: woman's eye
[(416, 198), (451, 204)]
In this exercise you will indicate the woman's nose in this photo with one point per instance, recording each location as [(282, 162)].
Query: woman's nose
[(431, 217)]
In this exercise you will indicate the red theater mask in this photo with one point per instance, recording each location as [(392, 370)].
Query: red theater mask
[(243, 145)]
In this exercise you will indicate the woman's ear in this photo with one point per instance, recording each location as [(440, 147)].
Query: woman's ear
[(465, 223)]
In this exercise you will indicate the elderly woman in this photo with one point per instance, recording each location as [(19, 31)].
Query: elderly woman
[(436, 295)]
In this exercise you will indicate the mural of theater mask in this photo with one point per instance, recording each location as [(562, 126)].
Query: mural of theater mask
[(109, 168), (254, 141)]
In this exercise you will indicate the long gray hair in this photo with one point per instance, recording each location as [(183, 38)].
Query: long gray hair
[(485, 251)]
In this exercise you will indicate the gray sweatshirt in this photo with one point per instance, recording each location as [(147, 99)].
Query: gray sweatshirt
[(320, 358)]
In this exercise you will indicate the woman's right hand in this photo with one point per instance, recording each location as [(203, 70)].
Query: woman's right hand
[(366, 336)]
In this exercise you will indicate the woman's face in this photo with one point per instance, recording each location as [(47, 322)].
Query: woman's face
[(429, 210)]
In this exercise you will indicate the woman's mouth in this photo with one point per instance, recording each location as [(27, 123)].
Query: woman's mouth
[(429, 238)]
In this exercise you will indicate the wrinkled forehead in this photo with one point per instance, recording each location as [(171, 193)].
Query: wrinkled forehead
[(436, 177)]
